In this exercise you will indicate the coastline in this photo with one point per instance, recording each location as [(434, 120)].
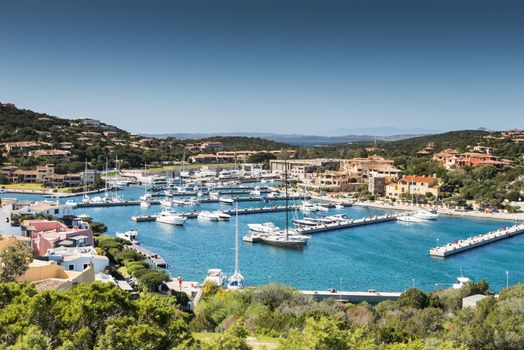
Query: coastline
[(445, 211)]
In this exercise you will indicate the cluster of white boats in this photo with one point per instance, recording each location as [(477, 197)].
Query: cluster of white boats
[(418, 216)]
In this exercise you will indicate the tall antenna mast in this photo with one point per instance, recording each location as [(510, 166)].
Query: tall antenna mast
[(236, 238)]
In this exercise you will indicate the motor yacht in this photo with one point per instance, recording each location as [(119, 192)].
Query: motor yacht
[(267, 227), (208, 215), (130, 236), (226, 200), (215, 276), (426, 215), (167, 203), (170, 217)]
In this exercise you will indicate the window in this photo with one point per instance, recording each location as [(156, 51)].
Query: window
[(57, 211), (71, 267), (85, 266)]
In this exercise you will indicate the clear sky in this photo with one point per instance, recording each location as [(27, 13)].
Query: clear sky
[(295, 66)]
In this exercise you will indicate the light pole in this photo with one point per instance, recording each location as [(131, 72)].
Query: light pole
[(340, 288), (507, 279)]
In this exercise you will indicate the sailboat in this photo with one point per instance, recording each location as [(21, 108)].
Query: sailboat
[(237, 280), (284, 239), (86, 198), (144, 200)]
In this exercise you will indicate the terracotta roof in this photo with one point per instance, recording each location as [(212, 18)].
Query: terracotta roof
[(414, 178)]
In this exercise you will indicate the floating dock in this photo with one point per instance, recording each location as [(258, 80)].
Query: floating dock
[(203, 200), (370, 296), (154, 257), (245, 211), (476, 241), (347, 224)]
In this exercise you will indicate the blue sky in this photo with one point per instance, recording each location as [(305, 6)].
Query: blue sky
[(295, 66)]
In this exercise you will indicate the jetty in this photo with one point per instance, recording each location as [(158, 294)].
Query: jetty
[(154, 257), (347, 224), (203, 200), (476, 241), (244, 211), (371, 296)]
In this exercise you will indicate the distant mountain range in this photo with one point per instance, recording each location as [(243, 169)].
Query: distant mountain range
[(298, 139)]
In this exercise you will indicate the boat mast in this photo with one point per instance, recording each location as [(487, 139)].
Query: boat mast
[(85, 178), (287, 198), (236, 239), (106, 178)]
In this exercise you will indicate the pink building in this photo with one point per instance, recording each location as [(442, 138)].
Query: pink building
[(46, 234)]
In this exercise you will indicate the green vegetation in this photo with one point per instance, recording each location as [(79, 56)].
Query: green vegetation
[(14, 261), (93, 316), (135, 263)]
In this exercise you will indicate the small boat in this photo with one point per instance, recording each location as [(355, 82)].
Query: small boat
[(215, 276), (226, 200), (214, 195), (266, 227), (170, 217), (461, 282), (179, 202), (339, 206), (409, 218), (167, 203), (71, 203), (337, 217), (130, 236), (426, 215), (84, 217), (145, 204), (305, 222), (222, 216), (322, 208), (208, 215), (308, 207)]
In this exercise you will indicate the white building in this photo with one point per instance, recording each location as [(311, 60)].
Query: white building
[(78, 258), (45, 208), (5, 221)]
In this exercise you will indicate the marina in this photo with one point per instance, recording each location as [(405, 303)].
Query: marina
[(385, 256), (476, 241)]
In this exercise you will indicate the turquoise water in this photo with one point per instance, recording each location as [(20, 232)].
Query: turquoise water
[(385, 257)]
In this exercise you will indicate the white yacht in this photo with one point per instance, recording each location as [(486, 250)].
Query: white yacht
[(167, 203), (214, 195), (461, 282), (130, 236), (226, 200), (308, 207), (215, 276), (305, 222), (170, 217), (208, 215), (339, 206), (145, 204), (409, 218), (71, 203), (426, 215), (267, 227), (321, 207)]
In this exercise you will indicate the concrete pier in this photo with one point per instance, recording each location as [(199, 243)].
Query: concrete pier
[(346, 224), (476, 241), (154, 257), (371, 296)]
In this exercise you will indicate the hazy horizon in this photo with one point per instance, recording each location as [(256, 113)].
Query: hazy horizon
[(285, 67)]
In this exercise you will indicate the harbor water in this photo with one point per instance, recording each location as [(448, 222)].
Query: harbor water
[(391, 256)]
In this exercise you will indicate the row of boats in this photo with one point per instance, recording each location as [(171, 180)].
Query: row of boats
[(418, 216)]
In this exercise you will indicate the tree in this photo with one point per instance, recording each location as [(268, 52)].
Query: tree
[(34, 339), (414, 298), (14, 261)]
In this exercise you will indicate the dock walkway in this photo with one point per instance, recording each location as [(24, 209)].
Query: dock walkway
[(244, 211), (476, 241), (154, 257), (370, 296), (347, 224)]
